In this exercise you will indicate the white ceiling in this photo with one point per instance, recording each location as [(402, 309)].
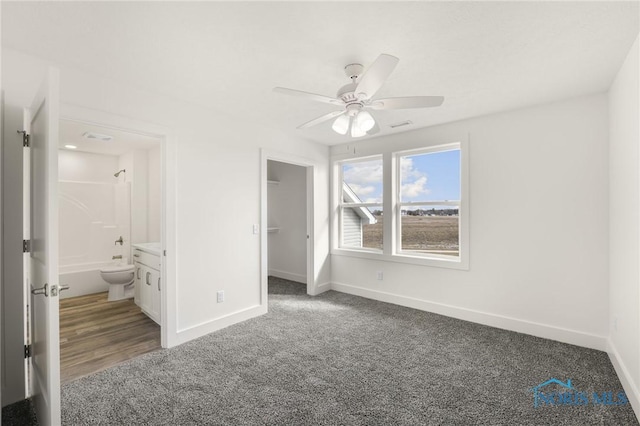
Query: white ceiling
[(71, 134), (483, 57)]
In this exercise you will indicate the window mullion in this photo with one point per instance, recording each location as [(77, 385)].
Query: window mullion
[(388, 207)]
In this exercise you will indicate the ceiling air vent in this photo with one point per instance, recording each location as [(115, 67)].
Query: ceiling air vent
[(97, 136), (400, 124)]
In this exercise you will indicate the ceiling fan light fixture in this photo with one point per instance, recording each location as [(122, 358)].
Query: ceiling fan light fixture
[(356, 131), (365, 121), (360, 94), (341, 124)]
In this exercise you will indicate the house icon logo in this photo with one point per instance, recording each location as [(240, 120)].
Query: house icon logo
[(537, 391), (555, 392)]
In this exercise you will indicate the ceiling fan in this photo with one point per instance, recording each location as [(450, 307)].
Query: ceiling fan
[(356, 98)]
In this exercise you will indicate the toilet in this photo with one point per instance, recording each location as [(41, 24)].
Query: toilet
[(120, 279)]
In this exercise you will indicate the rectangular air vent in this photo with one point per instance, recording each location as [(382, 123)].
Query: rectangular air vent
[(402, 123), (97, 136)]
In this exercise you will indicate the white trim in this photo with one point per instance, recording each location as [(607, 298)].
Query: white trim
[(169, 301), (630, 388), (559, 334), (321, 288), (299, 278), (207, 327), (433, 260)]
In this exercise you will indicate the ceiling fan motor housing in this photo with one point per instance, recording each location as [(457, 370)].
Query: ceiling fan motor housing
[(345, 93), (357, 97)]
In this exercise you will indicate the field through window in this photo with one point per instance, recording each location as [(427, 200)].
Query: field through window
[(431, 230)]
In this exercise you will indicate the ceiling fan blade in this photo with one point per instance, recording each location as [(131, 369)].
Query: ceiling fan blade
[(322, 119), (310, 96), (373, 79), (408, 102)]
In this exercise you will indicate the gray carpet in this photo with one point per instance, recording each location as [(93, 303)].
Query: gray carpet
[(20, 413), (341, 359)]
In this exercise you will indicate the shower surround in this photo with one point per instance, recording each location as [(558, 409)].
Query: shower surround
[(92, 217)]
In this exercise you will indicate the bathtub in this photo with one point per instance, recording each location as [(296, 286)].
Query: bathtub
[(83, 278)]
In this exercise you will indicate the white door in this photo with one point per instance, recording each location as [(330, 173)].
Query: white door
[(41, 122)]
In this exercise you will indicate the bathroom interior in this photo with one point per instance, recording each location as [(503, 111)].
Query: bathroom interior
[(110, 189)]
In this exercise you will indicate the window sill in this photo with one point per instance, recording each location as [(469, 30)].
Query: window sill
[(459, 264)]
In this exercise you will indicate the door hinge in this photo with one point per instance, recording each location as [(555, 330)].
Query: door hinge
[(27, 351), (25, 138), (26, 246)]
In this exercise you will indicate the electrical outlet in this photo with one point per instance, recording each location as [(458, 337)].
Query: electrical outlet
[(379, 275), (221, 296), (615, 323), (256, 229)]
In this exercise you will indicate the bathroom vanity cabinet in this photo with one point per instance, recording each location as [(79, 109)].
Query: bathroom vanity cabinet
[(148, 280)]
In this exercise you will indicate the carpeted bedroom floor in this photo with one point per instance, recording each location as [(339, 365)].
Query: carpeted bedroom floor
[(342, 359)]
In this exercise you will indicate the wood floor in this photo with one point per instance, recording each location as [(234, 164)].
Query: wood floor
[(96, 334)]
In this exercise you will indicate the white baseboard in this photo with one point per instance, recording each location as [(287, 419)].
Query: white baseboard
[(559, 334), (630, 387), (299, 278), (319, 289), (190, 333)]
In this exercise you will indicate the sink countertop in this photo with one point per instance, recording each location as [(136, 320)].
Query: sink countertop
[(152, 248)]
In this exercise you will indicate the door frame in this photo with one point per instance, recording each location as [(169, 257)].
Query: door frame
[(310, 166), (168, 306)]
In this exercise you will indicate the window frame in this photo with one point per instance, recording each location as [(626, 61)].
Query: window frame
[(399, 204), (390, 200), (342, 204)]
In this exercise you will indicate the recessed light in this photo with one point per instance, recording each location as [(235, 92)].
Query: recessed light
[(70, 146), (97, 136)]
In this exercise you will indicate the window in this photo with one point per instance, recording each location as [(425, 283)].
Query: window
[(429, 203), (361, 204), (422, 217)]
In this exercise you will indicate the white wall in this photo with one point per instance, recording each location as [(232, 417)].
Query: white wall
[(624, 224), (538, 225), (154, 186), (217, 170), (287, 210)]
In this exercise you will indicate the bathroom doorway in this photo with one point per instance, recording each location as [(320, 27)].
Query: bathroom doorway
[(110, 215)]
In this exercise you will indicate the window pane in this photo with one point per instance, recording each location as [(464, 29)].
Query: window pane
[(433, 176), (430, 230), (362, 227), (362, 181)]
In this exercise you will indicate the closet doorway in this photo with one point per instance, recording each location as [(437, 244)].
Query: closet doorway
[(287, 222)]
